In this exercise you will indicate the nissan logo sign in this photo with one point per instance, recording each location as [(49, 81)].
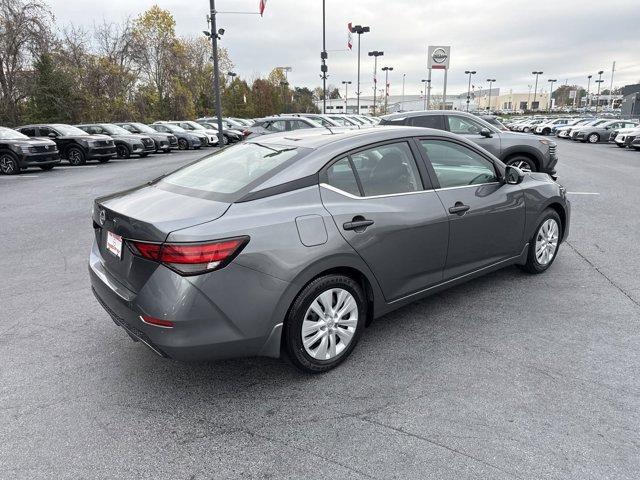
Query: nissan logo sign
[(439, 55)]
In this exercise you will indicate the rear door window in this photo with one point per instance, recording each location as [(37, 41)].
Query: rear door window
[(427, 121), (29, 131), (341, 176), (387, 169)]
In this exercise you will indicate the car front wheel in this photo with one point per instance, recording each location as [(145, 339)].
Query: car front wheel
[(76, 156), (523, 163), (9, 164), (543, 245), (324, 323), (183, 144), (593, 138), (123, 151)]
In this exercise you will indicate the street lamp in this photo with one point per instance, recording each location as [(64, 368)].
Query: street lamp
[(427, 85), (535, 90), (284, 85), (599, 81), (346, 93), (375, 54), (386, 71), (551, 82), (214, 35), (469, 72), (588, 102), (359, 29), (490, 80)]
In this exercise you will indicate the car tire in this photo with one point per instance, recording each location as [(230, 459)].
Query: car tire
[(76, 156), (544, 244), (9, 164), (523, 163), (328, 340), (123, 151), (593, 138), (46, 168)]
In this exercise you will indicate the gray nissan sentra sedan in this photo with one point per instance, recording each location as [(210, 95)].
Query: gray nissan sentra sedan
[(294, 242)]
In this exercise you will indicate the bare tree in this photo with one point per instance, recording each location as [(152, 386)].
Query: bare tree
[(24, 31)]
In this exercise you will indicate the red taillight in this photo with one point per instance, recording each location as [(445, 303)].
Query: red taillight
[(156, 322), (246, 133), (191, 258)]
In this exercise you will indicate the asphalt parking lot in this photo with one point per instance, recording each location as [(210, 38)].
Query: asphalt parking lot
[(508, 376)]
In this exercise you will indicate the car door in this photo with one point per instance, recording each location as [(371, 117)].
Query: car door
[(383, 204), (471, 129), (487, 216)]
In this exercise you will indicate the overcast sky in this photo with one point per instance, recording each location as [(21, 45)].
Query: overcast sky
[(501, 39)]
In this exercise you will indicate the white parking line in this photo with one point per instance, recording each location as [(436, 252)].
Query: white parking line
[(583, 193)]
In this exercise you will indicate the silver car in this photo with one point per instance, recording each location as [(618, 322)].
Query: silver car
[(295, 242)]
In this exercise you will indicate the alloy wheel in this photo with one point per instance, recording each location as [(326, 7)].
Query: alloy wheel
[(329, 324), (8, 165), (75, 157), (547, 241), (182, 144), (522, 165), (593, 138)]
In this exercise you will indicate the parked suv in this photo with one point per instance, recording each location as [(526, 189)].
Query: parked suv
[(127, 143), (165, 142), (75, 145), (19, 152), (527, 152)]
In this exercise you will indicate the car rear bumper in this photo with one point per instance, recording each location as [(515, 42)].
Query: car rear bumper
[(232, 320)]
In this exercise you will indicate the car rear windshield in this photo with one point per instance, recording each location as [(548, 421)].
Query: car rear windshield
[(231, 172)]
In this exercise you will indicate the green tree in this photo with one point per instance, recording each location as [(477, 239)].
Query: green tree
[(50, 92)]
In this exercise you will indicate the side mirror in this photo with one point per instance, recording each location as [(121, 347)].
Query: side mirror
[(485, 132), (513, 175)]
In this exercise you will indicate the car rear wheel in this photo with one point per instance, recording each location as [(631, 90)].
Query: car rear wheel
[(183, 144), (324, 323), (123, 151), (523, 163), (593, 138), (76, 156), (9, 164), (543, 245)]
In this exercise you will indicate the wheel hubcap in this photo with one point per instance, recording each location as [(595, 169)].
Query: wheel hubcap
[(329, 324), (74, 157), (547, 241), (522, 165), (593, 138), (6, 165)]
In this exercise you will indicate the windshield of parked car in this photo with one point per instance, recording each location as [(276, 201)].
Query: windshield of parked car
[(114, 130), (69, 130), (194, 125), (8, 134), (173, 128), (144, 128), (232, 169)]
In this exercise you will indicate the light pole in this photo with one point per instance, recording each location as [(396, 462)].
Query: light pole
[(427, 85), (346, 94), (375, 54), (535, 90), (231, 76), (213, 35), (599, 81), (588, 102), (551, 82), (284, 86), (386, 71), (402, 101), (323, 56), (490, 80), (359, 29), (469, 72)]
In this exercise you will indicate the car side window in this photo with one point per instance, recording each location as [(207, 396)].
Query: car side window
[(340, 175), (463, 126), (276, 126), (45, 131), (129, 128), (29, 132), (456, 165), (387, 169), (427, 121), (298, 124)]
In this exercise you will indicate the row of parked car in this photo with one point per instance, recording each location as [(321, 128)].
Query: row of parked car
[(624, 133), (45, 145)]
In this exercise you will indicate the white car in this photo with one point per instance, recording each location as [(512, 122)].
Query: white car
[(549, 127), (625, 136)]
